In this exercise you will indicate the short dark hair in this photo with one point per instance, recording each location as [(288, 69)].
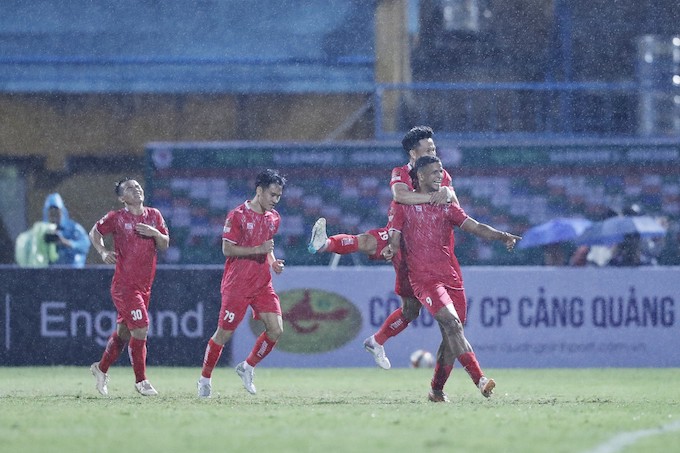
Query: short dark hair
[(416, 134), (424, 162), (120, 183), (266, 178)]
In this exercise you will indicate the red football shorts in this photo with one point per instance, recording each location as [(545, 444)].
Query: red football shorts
[(382, 237), (132, 306), (436, 296), (234, 306)]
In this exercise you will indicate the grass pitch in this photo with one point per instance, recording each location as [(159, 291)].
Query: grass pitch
[(341, 410)]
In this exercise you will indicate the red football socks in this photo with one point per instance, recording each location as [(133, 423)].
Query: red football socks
[(342, 244), (114, 347), (213, 351), (137, 350), (394, 324), (469, 362), (441, 375), (263, 346)]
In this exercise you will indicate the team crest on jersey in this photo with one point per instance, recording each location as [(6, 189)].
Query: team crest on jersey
[(129, 226), (250, 226), (418, 208)]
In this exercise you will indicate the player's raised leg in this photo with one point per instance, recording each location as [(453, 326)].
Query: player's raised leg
[(319, 238), (344, 244)]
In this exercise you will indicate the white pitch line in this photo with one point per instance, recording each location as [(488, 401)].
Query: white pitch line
[(623, 440)]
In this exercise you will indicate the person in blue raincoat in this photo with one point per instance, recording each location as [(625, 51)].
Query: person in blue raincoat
[(69, 236)]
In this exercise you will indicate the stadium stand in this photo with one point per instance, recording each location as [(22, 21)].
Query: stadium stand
[(195, 207)]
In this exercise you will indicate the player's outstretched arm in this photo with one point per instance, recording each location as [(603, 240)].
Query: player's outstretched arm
[(490, 233)]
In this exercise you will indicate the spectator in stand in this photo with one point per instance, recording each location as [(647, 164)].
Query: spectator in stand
[(553, 254), (629, 253), (597, 255), (32, 250), (69, 236), (634, 250), (56, 240)]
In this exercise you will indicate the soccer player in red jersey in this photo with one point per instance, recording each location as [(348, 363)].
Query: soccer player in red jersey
[(138, 232), (428, 248), (416, 143), (248, 244)]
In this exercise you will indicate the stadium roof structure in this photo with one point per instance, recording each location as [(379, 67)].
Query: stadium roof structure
[(175, 46)]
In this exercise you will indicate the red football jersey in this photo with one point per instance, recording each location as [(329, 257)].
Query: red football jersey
[(403, 174), (247, 275), (135, 254), (427, 237)]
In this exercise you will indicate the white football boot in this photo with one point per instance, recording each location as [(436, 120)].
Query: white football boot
[(486, 386), (204, 388), (145, 388), (319, 236), (378, 352), (101, 377), (247, 374)]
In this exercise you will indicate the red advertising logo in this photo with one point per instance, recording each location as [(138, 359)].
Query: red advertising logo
[(314, 321)]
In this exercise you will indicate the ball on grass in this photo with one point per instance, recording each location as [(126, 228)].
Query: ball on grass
[(422, 359)]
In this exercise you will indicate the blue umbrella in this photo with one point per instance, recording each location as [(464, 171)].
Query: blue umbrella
[(613, 230), (557, 230)]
